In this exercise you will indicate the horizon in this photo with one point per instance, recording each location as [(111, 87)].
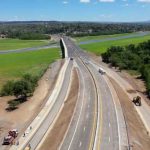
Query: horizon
[(75, 10)]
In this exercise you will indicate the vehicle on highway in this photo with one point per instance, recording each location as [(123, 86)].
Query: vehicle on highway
[(9, 139), (71, 58), (86, 62), (137, 101), (102, 71)]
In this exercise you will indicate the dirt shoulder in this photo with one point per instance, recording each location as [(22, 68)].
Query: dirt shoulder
[(56, 135), (21, 117), (138, 136), (135, 81)]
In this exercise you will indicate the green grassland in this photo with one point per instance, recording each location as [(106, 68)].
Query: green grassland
[(101, 47), (14, 65), (99, 37), (8, 44)]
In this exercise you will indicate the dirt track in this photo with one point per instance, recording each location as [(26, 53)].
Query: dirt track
[(56, 135), (138, 136)]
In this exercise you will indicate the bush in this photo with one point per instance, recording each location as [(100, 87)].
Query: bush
[(131, 57), (21, 88), (12, 105), (7, 89)]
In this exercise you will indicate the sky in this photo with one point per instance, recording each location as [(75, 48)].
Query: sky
[(75, 10)]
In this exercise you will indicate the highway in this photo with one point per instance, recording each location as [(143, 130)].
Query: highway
[(37, 137), (134, 35), (28, 49), (85, 118), (34, 138), (94, 124)]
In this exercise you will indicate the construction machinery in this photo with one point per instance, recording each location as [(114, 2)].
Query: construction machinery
[(9, 139), (137, 101)]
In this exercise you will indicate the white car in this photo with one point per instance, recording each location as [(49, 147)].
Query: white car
[(102, 71)]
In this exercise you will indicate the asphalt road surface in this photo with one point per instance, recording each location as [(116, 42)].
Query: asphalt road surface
[(94, 124), (82, 126), (28, 49), (37, 137), (138, 34)]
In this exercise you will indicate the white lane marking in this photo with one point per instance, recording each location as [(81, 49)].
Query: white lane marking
[(80, 144), (109, 124), (105, 91), (88, 106), (109, 139), (79, 113), (84, 129), (87, 116)]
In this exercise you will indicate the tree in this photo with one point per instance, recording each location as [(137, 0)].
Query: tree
[(22, 88), (7, 89)]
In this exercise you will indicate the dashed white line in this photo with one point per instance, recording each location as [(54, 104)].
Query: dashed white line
[(109, 125), (80, 144), (78, 117), (87, 116), (84, 129), (109, 139)]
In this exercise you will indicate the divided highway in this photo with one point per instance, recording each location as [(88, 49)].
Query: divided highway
[(94, 124)]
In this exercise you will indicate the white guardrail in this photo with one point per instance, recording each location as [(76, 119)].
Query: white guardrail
[(66, 51)]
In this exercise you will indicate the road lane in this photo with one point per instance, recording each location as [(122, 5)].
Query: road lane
[(110, 139), (134, 35), (107, 125), (28, 49), (49, 119), (81, 135)]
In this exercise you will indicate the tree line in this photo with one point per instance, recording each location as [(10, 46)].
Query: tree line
[(22, 29), (131, 57)]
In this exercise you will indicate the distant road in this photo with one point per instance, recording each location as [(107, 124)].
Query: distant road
[(28, 49), (137, 34)]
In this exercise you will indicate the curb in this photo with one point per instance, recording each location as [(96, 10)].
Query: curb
[(44, 112), (56, 117)]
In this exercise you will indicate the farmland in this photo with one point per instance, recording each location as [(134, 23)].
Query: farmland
[(99, 37), (101, 47), (9, 44), (13, 66)]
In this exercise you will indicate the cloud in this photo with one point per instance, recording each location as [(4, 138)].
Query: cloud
[(85, 1), (65, 2), (107, 1), (144, 1), (126, 5), (105, 16)]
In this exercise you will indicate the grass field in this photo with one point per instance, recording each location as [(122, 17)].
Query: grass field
[(99, 37), (8, 44), (101, 47), (13, 66)]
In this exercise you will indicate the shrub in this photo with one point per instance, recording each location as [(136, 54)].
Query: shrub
[(7, 89)]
